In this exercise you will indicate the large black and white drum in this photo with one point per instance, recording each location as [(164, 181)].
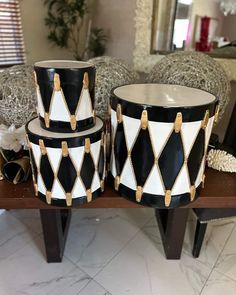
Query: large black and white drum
[(68, 169), (160, 135), (65, 92)]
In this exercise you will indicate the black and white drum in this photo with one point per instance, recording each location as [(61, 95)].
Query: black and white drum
[(68, 169), (160, 135), (65, 92)]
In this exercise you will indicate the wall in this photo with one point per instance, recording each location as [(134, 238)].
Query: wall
[(117, 18), (229, 25), (35, 33)]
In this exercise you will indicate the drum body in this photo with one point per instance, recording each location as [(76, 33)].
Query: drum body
[(160, 135), (65, 93), (68, 169)]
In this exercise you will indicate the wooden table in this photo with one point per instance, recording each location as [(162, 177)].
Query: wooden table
[(219, 192)]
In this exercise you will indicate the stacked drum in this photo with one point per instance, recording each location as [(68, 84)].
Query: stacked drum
[(160, 135), (66, 141)]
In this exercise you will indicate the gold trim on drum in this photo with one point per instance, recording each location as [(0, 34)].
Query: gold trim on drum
[(102, 185), (86, 81), (139, 194), (57, 82), (73, 122), (216, 117), (64, 148), (35, 188), (48, 197), (119, 115), (178, 122), (89, 195), (35, 80), (87, 145), (42, 147), (192, 192), (68, 199), (47, 120), (203, 180), (117, 182), (144, 120), (167, 198), (205, 120)]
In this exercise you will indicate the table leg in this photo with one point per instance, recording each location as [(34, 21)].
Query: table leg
[(172, 225), (55, 224)]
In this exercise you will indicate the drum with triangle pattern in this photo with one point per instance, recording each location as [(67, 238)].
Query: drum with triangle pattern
[(160, 135)]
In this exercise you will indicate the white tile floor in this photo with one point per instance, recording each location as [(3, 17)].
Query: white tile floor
[(113, 251)]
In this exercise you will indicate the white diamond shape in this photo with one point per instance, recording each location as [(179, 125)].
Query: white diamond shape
[(154, 184), (41, 185), (127, 177), (113, 123), (57, 190), (95, 151), (40, 103), (78, 189), (208, 131), (159, 133), (131, 127), (182, 184), (113, 165), (200, 173), (58, 108), (189, 132), (54, 156), (96, 182), (37, 154), (77, 155), (84, 109)]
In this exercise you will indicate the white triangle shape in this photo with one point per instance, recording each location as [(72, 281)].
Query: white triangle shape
[(77, 155), (58, 107), (208, 131), (54, 156), (200, 173), (84, 109), (113, 165), (37, 154), (127, 176), (154, 184), (159, 133), (78, 189), (181, 185), (41, 110), (113, 124), (57, 190), (189, 133), (96, 182), (41, 186), (95, 150), (131, 127)]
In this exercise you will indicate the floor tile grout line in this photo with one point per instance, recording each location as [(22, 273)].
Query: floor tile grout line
[(213, 267), (226, 276), (122, 248)]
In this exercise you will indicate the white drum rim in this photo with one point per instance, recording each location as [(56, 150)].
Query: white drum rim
[(142, 98), (58, 64)]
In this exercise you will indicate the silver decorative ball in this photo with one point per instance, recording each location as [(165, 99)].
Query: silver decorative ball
[(110, 72), (193, 69), (17, 95)]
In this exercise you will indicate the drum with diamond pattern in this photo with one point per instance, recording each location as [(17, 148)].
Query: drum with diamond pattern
[(65, 93), (160, 135), (68, 169)]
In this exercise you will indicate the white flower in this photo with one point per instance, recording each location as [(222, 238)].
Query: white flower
[(12, 138)]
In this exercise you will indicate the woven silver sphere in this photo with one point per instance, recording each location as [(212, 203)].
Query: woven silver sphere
[(110, 73), (196, 70), (17, 95)]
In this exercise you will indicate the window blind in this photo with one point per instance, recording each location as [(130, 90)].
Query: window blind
[(11, 37)]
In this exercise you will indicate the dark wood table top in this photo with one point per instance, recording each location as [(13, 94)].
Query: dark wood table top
[(219, 192)]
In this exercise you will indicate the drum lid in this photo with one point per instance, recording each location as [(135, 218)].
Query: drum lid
[(164, 95), (63, 64), (34, 128)]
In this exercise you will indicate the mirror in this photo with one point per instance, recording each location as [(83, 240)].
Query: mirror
[(191, 25)]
